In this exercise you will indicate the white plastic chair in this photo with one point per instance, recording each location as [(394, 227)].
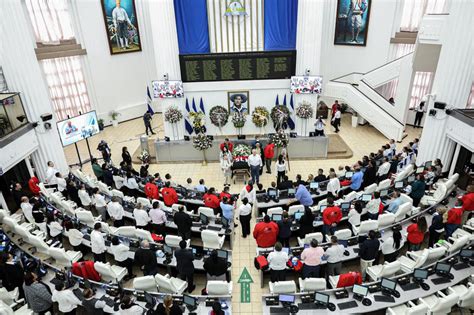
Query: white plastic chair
[(63, 257), (208, 212), (275, 210), (384, 184), (440, 303), (376, 272), (465, 293), (310, 236), (409, 308), (370, 189), (110, 273), (343, 234), (365, 227), (385, 219), (86, 217), (281, 287), (312, 284), (408, 264), (167, 284), (146, 283), (216, 287), (293, 209), (211, 239)]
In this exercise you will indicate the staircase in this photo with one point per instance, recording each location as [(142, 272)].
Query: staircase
[(358, 91)]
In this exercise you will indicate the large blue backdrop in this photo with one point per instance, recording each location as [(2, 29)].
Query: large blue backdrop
[(191, 25), (281, 17)]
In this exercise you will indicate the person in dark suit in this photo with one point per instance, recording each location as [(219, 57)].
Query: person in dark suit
[(215, 267), (184, 223), (126, 157), (370, 174), (184, 264), (146, 258), (306, 222), (11, 274), (285, 184)]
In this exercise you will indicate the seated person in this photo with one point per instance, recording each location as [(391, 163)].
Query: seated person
[(215, 267), (320, 177), (395, 203), (201, 187), (285, 184)]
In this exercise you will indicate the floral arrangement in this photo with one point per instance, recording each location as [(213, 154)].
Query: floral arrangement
[(202, 142), (238, 120), (114, 115), (280, 139), (173, 115), (144, 157), (280, 115), (198, 121), (260, 116), (304, 110), (219, 116), (241, 150)]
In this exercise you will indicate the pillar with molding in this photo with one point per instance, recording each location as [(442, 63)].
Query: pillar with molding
[(23, 74), (453, 79)]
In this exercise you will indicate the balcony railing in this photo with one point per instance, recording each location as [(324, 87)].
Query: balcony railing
[(12, 113)]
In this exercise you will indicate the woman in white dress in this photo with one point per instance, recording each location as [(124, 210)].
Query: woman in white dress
[(226, 165)]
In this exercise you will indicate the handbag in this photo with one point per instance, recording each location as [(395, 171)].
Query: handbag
[(261, 263)]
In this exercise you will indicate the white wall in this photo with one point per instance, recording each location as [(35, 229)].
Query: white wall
[(16, 151), (338, 60), (115, 82)]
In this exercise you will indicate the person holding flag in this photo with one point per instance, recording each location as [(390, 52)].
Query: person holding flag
[(147, 117)]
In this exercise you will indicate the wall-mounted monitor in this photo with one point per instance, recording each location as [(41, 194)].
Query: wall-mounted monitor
[(164, 89), (78, 128), (306, 84)]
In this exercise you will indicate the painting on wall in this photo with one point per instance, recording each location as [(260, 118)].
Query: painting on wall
[(121, 25), (352, 22), (239, 102)]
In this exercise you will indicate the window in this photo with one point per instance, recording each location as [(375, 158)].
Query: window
[(67, 86), (422, 83), (413, 11), (3, 82), (50, 19)]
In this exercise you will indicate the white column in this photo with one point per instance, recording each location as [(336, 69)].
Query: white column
[(23, 74), (455, 159), (309, 36), (452, 82), (165, 46), (29, 166)]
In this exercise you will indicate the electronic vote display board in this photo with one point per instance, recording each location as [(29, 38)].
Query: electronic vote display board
[(261, 65)]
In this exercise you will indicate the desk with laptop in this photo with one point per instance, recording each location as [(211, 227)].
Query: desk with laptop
[(380, 295)]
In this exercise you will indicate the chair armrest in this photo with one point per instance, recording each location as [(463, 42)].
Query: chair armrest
[(411, 303), (410, 254), (452, 239), (441, 294), (423, 302)]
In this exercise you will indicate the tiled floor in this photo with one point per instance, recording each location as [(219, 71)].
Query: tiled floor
[(362, 140)]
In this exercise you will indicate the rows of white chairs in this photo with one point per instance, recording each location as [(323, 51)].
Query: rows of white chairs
[(306, 285), (9, 300), (438, 303), (442, 188)]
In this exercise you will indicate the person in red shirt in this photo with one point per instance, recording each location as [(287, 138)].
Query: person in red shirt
[(228, 144), (454, 218), (334, 108), (170, 196), (266, 232), (332, 215), (269, 153), (33, 185), (151, 190), (211, 200), (416, 234), (468, 203), (225, 193)]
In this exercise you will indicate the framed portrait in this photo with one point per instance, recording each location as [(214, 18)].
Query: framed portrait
[(352, 22), (238, 102), (121, 25)]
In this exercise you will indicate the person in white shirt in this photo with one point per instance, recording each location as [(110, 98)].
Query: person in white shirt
[(255, 163), (84, 197), (334, 255), (393, 146), (319, 127), (61, 182), (141, 217), (245, 214), (373, 206), (131, 184), (97, 243), (118, 179), (158, 219), (354, 214), (382, 172), (66, 299), (115, 211), (99, 202), (226, 168), (51, 174), (250, 193), (341, 171), (189, 184), (277, 263), (336, 120), (419, 111), (391, 245), (128, 306), (334, 185), (280, 168), (121, 254), (388, 152), (27, 209)]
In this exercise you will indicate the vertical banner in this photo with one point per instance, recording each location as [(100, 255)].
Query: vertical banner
[(280, 18), (191, 26)]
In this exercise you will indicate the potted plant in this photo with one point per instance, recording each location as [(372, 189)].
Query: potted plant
[(114, 115), (101, 124)]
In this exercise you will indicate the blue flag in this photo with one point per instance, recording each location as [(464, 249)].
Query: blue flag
[(277, 102), (187, 124), (194, 106), (291, 102), (201, 106), (291, 123), (284, 100), (149, 100)]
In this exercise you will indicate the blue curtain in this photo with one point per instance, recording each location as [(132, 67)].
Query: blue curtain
[(280, 24), (191, 25)]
